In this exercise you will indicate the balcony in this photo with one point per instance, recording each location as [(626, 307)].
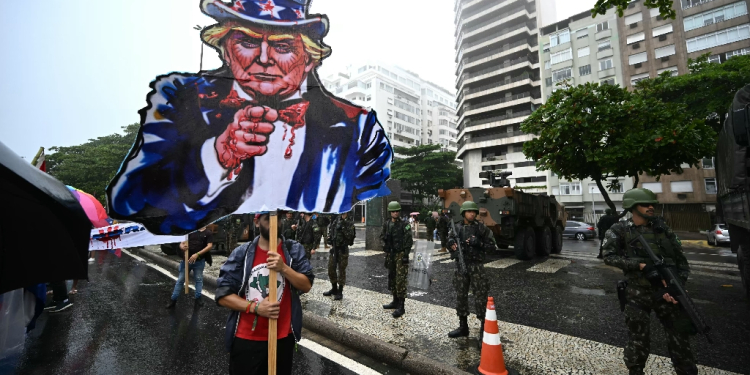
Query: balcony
[(491, 21), (492, 70), (472, 125), (493, 38), (465, 144), (494, 53)]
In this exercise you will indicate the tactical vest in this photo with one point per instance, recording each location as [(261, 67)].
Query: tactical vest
[(394, 236), (660, 244), (471, 254), (306, 236)]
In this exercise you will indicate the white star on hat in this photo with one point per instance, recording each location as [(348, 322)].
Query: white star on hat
[(270, 8)]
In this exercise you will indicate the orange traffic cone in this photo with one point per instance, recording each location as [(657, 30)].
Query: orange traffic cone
[(492, 361)]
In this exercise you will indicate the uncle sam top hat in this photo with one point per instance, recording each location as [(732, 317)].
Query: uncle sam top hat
[(269, 13)]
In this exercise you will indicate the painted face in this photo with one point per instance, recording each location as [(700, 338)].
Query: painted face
[(267, 64)]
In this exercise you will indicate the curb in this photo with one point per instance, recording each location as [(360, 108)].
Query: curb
[(380, 350)]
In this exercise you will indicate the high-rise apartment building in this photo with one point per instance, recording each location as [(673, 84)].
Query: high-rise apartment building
[(411, 110), (579, 50), (498, 86)]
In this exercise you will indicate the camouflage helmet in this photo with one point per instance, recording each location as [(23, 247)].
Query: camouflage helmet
[(394, 206), (469, 206), (636, 196)]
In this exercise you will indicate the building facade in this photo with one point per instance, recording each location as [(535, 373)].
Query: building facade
[(498, 85), (411, 110), (579, 50)]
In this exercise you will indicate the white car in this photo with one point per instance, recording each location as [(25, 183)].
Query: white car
[(718, 234)]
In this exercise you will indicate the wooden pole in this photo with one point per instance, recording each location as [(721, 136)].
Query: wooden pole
[(272, 323), (187, 269)]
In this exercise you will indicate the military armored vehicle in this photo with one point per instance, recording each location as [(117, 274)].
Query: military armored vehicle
[(532, 223), (733, 178)]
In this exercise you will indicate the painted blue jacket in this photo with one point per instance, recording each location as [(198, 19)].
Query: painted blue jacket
[(163, 182), (233, 278)]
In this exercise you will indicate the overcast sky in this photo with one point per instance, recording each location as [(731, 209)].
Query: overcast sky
[(79, 69)]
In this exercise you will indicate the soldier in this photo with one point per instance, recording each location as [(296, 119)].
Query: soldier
[(308, 234), (323, 222), (397, 241), (642, 296), (442, 227), (476, 240), (431, 223), (341, 235), (288, 226), (603, 226)]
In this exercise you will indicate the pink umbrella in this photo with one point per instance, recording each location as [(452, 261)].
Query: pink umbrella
[(94, 210)]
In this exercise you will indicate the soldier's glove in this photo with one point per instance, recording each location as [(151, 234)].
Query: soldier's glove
[(651, 274), (474, 241), (405, 260)]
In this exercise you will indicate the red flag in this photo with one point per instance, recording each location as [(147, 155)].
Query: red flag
[(40, 161)]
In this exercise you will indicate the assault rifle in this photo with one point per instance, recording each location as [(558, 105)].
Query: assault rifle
[(675, 289), (454, 234)]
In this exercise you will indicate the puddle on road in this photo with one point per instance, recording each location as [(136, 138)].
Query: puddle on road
[(589, 292)]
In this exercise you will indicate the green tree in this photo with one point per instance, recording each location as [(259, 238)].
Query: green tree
[(706, 92), (665, 7), (425, 169), (90, 166), (604, 131)]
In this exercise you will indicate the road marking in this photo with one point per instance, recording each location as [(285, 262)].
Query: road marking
[(718, 275), (350, 364), (365, 253), (712, 268), (167, 273), (565, 256), (716, 264), (549, 266), (502, 263)]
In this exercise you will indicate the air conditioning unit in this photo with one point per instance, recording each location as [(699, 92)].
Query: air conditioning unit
[(633, 25), (665, 58), (636, 45), (663, 37), (638, 65)]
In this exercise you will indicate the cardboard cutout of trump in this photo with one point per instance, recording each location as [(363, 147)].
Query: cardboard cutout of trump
[(260, 133)]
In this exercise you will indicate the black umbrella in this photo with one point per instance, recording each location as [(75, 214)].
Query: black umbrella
[(44, 232)]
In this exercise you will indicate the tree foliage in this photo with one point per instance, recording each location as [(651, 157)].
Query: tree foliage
[(604, 131), (90, 166), (425, 169), (706, 92), (665, 7)]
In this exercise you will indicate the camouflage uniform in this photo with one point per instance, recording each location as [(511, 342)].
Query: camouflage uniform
[(285, 228), (397, 241), (430, 223), (442, 226), (323, 222), (474, 254), (308, 233), (642, 297), (341, 235)]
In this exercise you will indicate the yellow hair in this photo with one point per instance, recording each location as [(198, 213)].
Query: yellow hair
[(214, 35)]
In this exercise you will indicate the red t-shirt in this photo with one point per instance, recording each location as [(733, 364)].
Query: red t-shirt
[(257, 290)]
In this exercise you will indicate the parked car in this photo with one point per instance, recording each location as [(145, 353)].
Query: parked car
[(718, 234), (579, 231)]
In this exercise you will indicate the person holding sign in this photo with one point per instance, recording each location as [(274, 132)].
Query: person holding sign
[(397, 242), (260, 133), (198, 246), (242, 287)]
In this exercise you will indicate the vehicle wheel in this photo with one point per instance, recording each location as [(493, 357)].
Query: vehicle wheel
[(743, 261), (580, 237), (169, 248), (543, 241), (524, 245), (557, 240)]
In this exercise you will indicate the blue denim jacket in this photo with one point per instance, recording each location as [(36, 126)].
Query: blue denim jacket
[(233, 276)]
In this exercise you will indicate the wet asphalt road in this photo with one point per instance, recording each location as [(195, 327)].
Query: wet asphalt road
[(118, 325), (581, 300)]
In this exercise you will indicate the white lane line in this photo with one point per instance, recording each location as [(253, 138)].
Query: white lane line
[(549, 266), (350, 364), (315, 347), (731, 266), (717, 275), (586, 259), (502, 263), (365, 253), (735, 269)]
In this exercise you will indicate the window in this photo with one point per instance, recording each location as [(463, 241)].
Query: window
[(559, 38), (570, 188), (583, 51), (715, 15), (610, 81), (368, 98), (638, 77), (637, 37), (562, 74), (664, 51), (593, 189), (681, 186), (637, 58), (719, 38), (654, 12), (633, 18), (602, 26), (547, 65), (714, 59), (545, 47), (708, 163), (661, 30), (368, 85), (739, 52), (605, 64), (653, 186), (548, 81), (561, 56), (672, 69), (604, 45), (584, 70), (710, 186), (362, 69), (582, 33)]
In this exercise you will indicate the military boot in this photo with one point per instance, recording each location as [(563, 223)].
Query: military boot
[(393, 304), (400, 309), (481, 333), (339, 293), (462, 330), (442, 250), (636, 371), (331, 292)]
